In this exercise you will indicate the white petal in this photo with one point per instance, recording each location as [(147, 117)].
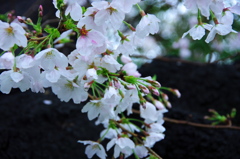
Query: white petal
[(16, 76)]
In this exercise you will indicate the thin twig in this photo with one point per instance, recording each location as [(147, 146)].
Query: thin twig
[(50, 21), (200, 125), (176, 121)]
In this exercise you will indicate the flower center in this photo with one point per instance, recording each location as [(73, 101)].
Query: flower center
[(9, 30), (49, 54), (83, 31), (111, 10), (70, 86)]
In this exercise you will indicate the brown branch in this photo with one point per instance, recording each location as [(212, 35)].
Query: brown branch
[(176, 121), (200, 125), (50, 21)]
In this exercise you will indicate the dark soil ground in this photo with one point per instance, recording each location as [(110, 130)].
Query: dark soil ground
[(29, 129)]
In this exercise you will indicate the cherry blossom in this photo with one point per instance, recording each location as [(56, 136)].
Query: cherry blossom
[(11, 34), (198, 31), (109, 13), (94, 148), (122, 144), (147, 25)]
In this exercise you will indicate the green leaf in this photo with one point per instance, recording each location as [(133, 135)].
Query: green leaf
[(233, 113)]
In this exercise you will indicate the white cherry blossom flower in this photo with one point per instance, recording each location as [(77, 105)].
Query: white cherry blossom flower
[(198, 31), (223, 27), (67, 89), (88, 21), (11, 34), (10, 79), (94, 148), (150, 114), (147, 25), (51, 58), (122, 144), (108, 62), (141, 151), (109, 13), (152, 139), (90, 40), (96, 108)]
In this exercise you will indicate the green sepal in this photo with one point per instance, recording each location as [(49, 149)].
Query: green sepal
[(130, 79), (53, 31)]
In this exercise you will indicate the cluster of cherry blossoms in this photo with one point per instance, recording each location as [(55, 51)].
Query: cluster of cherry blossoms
[(221, 13), (99, 70)]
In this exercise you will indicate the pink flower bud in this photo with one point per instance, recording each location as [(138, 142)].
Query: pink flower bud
[(41, 13), (87, 85), (40, 8), (169, 105), (20, 19), (144, 89), (176, 92), (154, 83), (165, 96), (116, 83), (130, 86), (143, 104), (158, 104), (154, 90), (125, 59)]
